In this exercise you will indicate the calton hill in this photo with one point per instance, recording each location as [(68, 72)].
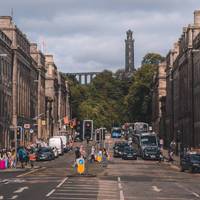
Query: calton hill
[(112, 99)]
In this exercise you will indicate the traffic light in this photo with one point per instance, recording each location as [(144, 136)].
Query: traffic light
[(18, 133), (87, 129)]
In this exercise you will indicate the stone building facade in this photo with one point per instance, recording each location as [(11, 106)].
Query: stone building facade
[(159, 91), (5, 90), (182, 88), (34, 96), (63, 100), (39, 63), (51, 93), (23, 78)]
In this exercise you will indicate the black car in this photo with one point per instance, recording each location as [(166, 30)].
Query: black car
[(151, 153), (45, 154), (129, 153), (119, 149), (191, 162)]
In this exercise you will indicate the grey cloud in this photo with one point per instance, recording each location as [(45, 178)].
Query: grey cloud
[(88, 35)]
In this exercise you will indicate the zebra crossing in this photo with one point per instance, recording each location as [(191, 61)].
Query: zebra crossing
[(80, 188)]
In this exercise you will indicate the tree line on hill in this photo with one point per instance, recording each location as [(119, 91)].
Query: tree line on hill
[(111, 99)]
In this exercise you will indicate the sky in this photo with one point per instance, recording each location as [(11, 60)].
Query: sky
[(88, 35)]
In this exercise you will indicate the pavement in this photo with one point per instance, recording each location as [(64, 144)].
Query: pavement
[(119, 180), (174, 164)]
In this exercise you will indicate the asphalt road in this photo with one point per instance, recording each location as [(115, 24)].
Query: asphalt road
[(120, 180)]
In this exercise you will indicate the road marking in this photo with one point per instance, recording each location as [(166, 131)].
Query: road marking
[(21, 189), (14, 197), (1, 197), (121, 193), (188, 190), (58, 186), (27, 173), (156, 189), (62, 182), (50, 193)]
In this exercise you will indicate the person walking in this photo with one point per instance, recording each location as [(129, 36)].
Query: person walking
[(22, 156), (32, 158), (92, 156), (172, 148)]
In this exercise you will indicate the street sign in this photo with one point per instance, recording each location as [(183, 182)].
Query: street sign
[(27, 126), (31, 131), (43, 122), (80, 165)]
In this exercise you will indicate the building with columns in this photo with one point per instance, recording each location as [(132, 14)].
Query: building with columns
[(5, 90), (51, 93), (23, 76), (159, 91), (39, 63), (182, 101)]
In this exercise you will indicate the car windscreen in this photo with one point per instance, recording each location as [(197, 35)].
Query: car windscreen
[(129, 150), (148, 140), (44, 150), (195, 157)]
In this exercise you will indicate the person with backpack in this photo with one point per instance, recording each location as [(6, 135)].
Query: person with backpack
[(22, 156)]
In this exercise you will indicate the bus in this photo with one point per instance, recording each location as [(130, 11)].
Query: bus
[(116, 132)]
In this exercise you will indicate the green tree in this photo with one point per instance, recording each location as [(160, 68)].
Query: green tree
[(139, 99)]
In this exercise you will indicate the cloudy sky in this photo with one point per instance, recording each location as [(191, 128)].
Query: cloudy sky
[(88, 35)]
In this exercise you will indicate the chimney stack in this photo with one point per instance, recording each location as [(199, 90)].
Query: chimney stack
[(197, 17)]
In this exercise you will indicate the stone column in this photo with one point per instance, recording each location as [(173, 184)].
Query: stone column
[(91, 76), (85, 79), (79, 78)]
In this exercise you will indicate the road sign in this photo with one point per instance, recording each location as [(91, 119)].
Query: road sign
[(27, 126), (31, 131), (43, 122), (80, 165)]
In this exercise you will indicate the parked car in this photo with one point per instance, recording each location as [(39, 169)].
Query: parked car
[(191, 162), (57, 142), (45, 154), (129, 153)]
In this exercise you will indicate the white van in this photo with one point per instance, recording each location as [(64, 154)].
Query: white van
[(64, 140), (58, 143)]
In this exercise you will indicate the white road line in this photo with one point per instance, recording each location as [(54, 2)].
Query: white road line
[(62, 182), (156, 189), (14, 197), (188, 190), (50, 193), (35, 170), (59, 185), (1, 197), (21, 189), (120, 189)]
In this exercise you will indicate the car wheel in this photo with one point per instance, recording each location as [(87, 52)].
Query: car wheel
[(191, 169)]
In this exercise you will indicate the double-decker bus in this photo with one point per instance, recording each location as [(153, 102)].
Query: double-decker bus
[(116, 132)]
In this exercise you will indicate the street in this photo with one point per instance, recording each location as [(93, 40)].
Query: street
[(121, 179)]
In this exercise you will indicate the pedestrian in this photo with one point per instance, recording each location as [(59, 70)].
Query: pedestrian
[(77, 153), (104, 156), (22, 156), (171, 152), (32, 157), (92, 156)]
